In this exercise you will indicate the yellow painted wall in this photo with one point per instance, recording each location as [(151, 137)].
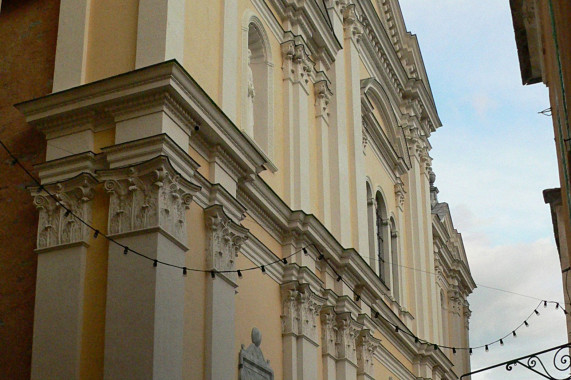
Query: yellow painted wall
[(314, 178), (381, 372), (103, 139), (112, 38), (202, 56), (95, 293), (262, 235), (394, 351), (195, 293), (258, 304)]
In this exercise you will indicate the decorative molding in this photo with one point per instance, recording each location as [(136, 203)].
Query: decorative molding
[(252, 364), (365, 140), (224, 239), (55, 228), (148, 195), (300, 311), (367, 345)]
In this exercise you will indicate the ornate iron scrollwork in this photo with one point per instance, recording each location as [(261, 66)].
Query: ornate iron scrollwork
[(533, 362)]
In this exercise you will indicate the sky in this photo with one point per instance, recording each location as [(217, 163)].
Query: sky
[(493, 157)]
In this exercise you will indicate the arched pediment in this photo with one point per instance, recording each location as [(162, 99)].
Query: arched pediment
[(382, 125)]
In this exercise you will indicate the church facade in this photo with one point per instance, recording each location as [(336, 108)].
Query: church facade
[(240, 189)]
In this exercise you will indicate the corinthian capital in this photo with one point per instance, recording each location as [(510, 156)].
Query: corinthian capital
[(224, 241), (323, 96), (351, 24), (55, 226), (300, 310), (366, 347), (297, 66), (347, 333), (148, 195)]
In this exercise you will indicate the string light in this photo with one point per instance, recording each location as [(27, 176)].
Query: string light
[(357, 297), (454, 350), (501, 342), (212, 274), (126, 250), (396, 329), (262, 267)]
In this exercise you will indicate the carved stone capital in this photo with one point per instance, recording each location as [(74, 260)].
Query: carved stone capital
[(148, 195), (224, 240), (351, 24), (400, 193), (297, 66), (323, 96), (347, 332), (300, 310), (55, 228), (367, 344), (328, 331), (365, 141)]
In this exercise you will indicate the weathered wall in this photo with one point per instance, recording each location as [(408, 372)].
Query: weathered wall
[(28, 31)]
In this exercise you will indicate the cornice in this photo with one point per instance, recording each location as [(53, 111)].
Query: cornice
[(166, 82), (306, 18)]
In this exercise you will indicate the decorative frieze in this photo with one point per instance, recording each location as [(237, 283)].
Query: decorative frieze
[(297, 66), (347, 332), (56, 226), (300, 311), (148, 195), (367, 345), (224, 240)]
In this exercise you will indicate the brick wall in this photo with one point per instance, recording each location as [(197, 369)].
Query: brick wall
[(28, 31)]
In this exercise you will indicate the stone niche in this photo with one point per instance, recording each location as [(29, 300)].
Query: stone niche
[(252, 365)]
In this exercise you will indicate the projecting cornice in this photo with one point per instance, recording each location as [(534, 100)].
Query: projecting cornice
[(309, 20), (165, 87)]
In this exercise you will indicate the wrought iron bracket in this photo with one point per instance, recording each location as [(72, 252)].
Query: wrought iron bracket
[(533, 362)]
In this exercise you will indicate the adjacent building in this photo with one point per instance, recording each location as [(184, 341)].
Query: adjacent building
[(543, 39), (227, 189)]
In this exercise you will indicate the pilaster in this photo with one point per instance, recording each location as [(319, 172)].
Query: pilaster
[(353, 31), (297, 68), (347, 332), (144, 312), (62, 243), (300, 315), (323, 96), (366, 347), (224, 240)]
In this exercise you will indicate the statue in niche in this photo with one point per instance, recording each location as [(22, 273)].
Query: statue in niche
[(250, 99), (252, 364)]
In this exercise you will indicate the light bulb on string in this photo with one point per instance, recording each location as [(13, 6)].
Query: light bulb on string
[(514, 334), (263, 268), (453, 350), (239, 273), (304, 250), (125, 250), (396, 329), (184, 271), (487, 349), (536, 312), (470, 351), (339, 278), (284, 260), (501, 342), (95, 234), (67, 212), (526, 324), (544, 303), (155, 263), (435, 347)]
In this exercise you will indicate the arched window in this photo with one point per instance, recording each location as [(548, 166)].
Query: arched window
[(257, 85), (395, 261), (381, 223), (371, 226)]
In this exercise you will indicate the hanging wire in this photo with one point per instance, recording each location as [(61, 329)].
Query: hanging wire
[(321, 257)]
